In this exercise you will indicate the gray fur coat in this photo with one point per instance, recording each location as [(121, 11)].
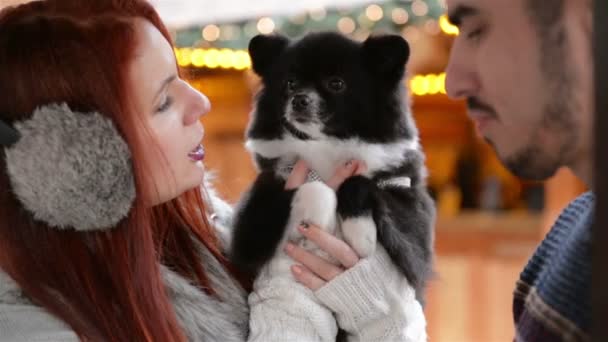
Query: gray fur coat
[(203, 317)]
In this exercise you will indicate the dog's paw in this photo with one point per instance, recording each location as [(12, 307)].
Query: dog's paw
[(356, 196), (360, 233), (314, 203)]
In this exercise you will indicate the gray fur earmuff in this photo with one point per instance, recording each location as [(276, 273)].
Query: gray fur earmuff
[(71, 170)]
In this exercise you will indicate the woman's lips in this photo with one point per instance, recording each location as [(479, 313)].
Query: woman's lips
[(197, 154)]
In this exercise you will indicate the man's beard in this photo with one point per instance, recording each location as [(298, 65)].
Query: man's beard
[(538, 161)]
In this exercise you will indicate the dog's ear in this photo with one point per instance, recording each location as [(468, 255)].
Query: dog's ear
[(264, 50), (386, 54)]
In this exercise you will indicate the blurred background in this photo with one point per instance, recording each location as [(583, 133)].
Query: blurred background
[(489, 221)]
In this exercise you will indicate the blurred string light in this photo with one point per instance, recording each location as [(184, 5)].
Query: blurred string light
[(420, 85), (265, 25), (211, 33), (394, 16), (431, 84), (213, 58), (446, 26), (420, 8), (400, 16), (346, 25), (374, 12)]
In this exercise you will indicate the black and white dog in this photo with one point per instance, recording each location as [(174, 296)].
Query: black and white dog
[(328, 99)]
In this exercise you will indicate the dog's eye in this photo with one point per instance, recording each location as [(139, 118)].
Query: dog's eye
[(291, 84), (336, 85)]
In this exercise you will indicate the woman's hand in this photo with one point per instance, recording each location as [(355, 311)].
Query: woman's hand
[(314, 271)]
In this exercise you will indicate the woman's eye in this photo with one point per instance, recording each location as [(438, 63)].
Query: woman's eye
[(165, 104), (336, 85)]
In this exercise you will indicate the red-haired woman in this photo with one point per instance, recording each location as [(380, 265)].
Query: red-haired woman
[(105, 234)]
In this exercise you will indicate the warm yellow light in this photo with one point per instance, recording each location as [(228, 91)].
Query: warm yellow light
[(434, 85), (212, 58), (242, 60), (226, 59), (183, 56), (374, 12), (346, 25), (211, 33), (265, 25), (197, 58), (441, 80), (446, 26), (420, 8), (419, 85), (431, 84), (400, 16)]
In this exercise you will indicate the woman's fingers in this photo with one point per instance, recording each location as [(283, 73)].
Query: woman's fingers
[(342, 173), (333, 246), (361, 169), (317, 265), (297, 176), (305, 277)]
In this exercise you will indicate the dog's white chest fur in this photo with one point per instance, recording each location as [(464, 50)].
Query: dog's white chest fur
[(323, 156)]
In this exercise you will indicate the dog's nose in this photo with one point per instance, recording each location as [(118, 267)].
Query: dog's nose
[(300, 102)]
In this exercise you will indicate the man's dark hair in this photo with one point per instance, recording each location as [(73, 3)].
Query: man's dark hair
[(546, 17), (545, 14)]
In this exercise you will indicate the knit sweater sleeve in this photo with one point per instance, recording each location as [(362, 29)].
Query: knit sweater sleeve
[(289, 312), (374, 302)]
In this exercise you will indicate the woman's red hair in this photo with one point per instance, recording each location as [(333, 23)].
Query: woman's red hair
[(105, 285)]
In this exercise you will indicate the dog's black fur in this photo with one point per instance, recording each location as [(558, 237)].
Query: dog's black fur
[(359, 94)]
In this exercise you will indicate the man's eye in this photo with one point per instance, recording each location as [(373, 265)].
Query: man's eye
[(475, 34)]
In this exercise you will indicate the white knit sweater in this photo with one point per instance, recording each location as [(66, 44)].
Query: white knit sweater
[(371, 302)]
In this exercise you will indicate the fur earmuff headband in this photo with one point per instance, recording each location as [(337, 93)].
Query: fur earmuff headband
[(71, 170)]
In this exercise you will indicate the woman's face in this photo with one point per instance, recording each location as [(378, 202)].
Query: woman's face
[(171, 109)]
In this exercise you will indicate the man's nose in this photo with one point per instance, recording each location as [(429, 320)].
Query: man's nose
[(461, 77)]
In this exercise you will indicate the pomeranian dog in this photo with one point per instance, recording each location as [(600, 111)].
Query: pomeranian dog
[(327, 99)]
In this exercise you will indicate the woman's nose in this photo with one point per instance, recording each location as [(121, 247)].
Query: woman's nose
[(199, 106)]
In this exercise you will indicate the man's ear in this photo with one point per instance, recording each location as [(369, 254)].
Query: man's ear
[(386, 54), (264, 50)]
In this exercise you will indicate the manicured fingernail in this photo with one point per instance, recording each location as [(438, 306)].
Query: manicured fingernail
[(297, 270), (288, 247), (304, 225)]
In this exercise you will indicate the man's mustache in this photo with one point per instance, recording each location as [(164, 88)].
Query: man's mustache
[(474, 103)]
